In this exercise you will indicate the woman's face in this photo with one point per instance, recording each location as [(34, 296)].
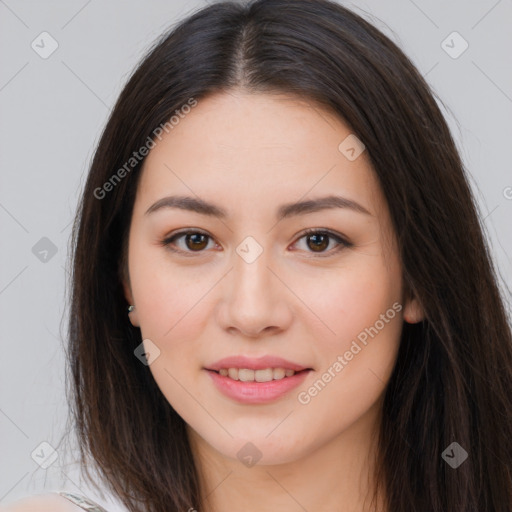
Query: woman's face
[(248, 282)]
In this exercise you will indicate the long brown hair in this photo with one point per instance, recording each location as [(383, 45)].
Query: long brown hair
[(452, 381)]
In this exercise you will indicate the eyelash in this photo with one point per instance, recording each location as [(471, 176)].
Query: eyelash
[(167, 242)]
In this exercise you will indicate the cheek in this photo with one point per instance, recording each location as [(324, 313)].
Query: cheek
[(170, 301), (361, 307), (354, 372), (173, 308), (349, 301)]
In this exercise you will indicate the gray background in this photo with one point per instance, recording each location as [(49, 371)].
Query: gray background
[(52, 114)]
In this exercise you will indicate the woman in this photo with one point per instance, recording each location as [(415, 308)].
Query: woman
[(281, 295)]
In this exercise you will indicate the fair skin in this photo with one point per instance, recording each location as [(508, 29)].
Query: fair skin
[(301, 299), (248, 154)]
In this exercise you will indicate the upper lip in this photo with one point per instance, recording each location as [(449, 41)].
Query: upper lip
[(260, 363)]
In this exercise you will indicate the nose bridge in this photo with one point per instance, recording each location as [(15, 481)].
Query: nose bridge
[(251, 276), (255, 301)]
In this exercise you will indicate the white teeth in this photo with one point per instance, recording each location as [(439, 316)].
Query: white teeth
[(233, 373), (247, 375), (264, 375), (279, 373)]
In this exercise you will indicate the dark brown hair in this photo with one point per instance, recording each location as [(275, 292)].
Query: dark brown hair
[(452, 380)]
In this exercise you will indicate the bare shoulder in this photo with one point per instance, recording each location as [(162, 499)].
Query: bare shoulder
[(51, 502)]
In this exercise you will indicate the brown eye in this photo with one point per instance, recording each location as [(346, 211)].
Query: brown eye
[(318, 242), (194, 241)]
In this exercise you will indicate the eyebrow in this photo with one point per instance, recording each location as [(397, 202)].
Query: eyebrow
[(197, 205)]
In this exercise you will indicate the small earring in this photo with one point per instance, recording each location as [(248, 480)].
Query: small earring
[(130, 309)]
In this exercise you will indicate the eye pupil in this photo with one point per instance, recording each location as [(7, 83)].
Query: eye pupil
[(319, 244), (195, 238)]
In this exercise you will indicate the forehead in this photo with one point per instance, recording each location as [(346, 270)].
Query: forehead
[(255, 148)]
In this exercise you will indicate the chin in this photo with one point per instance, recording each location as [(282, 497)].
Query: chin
[(261, 450)]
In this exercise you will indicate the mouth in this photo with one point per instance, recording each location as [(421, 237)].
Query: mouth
[(256, 381)]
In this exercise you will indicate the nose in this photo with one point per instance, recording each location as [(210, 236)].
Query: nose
[(256, 302)]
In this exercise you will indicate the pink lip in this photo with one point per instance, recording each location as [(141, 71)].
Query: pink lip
[(255, 364), (256, 392)]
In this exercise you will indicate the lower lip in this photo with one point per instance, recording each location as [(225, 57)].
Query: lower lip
[(257, 392)]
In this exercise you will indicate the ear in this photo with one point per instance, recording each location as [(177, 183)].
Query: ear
[(133, 316), (413, 311)]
